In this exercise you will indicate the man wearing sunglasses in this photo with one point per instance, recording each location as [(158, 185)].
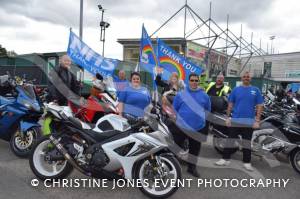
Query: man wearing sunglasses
[(191, 106), (247, 104)]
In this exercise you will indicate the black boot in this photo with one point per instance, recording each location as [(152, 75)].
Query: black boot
[(192, 169)]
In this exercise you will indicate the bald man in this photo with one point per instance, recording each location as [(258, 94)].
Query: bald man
[(246, 102), (120, 82), (63, 83)]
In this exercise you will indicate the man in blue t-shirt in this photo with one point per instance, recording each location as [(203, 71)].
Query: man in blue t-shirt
[(191, 106), (247, 104)]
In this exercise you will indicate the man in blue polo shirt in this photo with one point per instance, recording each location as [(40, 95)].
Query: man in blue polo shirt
[(247, 104), (191, 106)]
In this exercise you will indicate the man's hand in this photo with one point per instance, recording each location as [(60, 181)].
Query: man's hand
[(228, 122), (256, 125)]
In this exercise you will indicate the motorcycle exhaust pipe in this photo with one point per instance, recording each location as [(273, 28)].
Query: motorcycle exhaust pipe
[(67, 156)]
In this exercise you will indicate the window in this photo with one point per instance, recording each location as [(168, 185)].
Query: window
[(131, 54)]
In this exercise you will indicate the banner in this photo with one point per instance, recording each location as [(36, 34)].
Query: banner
[(171, 61), (147, 54), (148, 58), (84, 56)]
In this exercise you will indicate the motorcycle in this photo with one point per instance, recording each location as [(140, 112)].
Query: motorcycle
[(283, 139), (101, 102), (138, 150), (20, 111)]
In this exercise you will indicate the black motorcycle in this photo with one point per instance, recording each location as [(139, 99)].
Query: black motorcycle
[(279, 134)]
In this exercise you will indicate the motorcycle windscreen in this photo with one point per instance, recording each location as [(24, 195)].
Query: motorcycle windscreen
[(29, 91)]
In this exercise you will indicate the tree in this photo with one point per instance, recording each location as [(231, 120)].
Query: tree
[(3, 51)]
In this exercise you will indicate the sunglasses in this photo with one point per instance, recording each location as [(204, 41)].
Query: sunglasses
[(194, 80), (246, 76)]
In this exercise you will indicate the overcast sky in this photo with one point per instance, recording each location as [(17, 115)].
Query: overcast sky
[(43, 26)]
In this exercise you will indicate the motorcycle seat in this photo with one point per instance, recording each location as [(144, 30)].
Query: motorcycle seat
[(76, 122), (96, 135), (99, 137)]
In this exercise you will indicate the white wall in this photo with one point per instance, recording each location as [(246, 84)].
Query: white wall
[(281, 63)]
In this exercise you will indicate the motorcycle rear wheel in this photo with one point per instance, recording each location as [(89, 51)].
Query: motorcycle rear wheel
[(42, 168)]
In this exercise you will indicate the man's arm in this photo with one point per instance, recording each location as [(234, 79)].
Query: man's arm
[(122, 99), (160, 82), (259, 105), (228, 112), (259, 109), (231, 101)]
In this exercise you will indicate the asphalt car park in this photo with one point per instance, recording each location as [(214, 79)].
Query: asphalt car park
[(16, 180)]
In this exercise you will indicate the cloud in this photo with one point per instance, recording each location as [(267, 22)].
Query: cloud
[(64, 12), (45, 24), (14, 20), (53, 11)]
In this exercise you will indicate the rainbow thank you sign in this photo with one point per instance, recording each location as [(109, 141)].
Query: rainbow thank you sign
[(87, 58), (171, 61)]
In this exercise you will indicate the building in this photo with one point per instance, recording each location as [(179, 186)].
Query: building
[(283, 67), (194, 52), (267, 71)]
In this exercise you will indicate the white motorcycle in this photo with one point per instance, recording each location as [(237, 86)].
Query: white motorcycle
[(138, 149)]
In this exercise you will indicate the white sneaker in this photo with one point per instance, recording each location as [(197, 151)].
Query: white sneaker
[(222, 162), (248, 167)]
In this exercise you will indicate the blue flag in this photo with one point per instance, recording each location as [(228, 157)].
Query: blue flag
[(171, 61), (87, 58), (148, 58)]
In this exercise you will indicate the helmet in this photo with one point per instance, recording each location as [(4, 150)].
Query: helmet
[(98, 82)]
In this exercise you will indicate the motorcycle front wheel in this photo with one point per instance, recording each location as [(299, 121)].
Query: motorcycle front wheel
[(47, 169), (158, 180), (22, 143)]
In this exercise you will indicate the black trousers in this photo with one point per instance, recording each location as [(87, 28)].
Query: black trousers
[(194, 139), (246, 134)]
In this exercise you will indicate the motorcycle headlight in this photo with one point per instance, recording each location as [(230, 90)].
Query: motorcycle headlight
[(27, 105), (31, 106)]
